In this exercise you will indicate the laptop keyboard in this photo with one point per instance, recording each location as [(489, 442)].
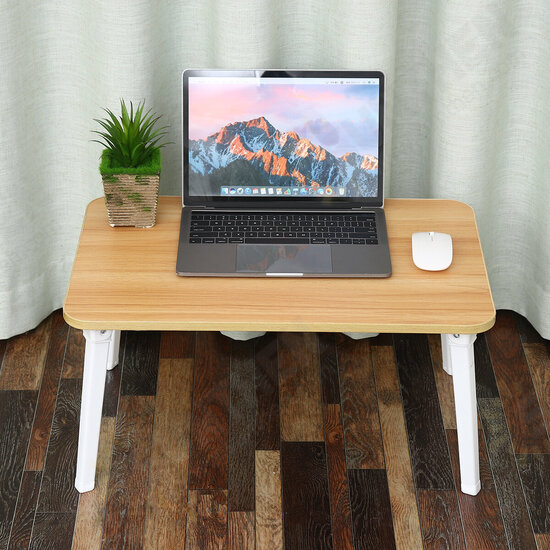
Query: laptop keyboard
[(283, 228)]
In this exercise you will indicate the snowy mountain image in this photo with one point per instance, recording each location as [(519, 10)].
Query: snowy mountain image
[(254, 152)]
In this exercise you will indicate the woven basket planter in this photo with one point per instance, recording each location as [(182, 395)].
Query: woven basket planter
[(131, 198)]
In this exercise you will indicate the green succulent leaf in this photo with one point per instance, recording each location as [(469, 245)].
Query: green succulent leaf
[(132, 137)]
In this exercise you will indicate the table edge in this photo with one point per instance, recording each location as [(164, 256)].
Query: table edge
[(280, 327)]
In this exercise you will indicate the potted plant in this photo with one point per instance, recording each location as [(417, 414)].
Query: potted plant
[(130, 165)]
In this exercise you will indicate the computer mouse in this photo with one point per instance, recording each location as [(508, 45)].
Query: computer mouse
[(432, 251)]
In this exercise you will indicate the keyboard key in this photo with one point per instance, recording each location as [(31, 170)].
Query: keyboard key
[(345, 241), (280, 240), (236, 240), (332, 241), (194, 240), (204, 234), (318, 241), (358, 241), (221, 240), (208, 240)]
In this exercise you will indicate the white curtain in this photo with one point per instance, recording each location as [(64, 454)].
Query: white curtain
[(468, 114)]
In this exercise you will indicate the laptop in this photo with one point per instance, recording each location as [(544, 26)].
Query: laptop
[(283, 174)]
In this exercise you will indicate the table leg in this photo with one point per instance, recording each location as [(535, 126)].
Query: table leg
[(98, 356), (458, 360), (447, 367), (112, 362)]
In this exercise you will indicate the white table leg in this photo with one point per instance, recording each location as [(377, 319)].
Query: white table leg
[(98, 355), (447, 367), (112, 362), (460, 362)]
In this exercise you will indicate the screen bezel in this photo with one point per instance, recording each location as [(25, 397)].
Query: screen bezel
[(308, 202)]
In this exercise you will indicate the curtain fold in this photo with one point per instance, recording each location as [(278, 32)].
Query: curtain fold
[(467, 112)]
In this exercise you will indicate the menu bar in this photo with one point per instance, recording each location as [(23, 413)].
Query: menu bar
[(290, 81)]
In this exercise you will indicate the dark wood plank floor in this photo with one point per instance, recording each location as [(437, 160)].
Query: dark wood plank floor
[(295, 441)]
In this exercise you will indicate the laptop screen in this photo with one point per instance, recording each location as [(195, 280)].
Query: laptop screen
[(283, 136)]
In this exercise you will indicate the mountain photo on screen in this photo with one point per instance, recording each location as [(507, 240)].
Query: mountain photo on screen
[(283, 134)]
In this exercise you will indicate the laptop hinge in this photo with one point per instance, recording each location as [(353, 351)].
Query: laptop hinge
[(204, 207)]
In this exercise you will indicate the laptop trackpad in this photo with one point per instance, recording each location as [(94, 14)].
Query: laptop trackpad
[(268, 258)]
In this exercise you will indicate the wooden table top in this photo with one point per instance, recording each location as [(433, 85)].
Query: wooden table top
[(125, 278)]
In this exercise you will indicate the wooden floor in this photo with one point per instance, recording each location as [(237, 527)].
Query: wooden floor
[(296, 441)]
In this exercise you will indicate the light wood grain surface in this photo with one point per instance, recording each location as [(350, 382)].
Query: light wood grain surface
[(167, 502), (91, 506), (404, 507), (125, 278), (269, 514), (299, 388)]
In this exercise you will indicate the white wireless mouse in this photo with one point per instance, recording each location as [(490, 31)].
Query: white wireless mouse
[(432, 251)]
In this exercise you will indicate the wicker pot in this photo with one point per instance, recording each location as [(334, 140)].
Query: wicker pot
[(131, 198)]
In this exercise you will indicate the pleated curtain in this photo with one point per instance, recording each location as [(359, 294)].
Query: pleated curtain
[(468, 114)]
